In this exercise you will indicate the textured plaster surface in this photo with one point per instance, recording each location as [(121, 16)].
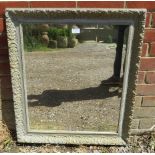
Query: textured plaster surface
[(72, 139), (15, 17)]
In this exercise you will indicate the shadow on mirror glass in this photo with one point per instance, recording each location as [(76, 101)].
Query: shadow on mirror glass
[(74, 75)]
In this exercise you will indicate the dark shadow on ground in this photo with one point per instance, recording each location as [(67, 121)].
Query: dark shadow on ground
[(54, 98)]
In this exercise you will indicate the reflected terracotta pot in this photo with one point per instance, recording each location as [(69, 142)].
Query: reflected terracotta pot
[(44, 27), (62, 42), (45, 38), (52, 44), (72, 42)]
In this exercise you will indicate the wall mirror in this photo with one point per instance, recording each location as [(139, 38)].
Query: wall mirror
[(71, 75)]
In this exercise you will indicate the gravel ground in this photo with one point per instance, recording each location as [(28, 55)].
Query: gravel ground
[(136, 144), (64, 91)]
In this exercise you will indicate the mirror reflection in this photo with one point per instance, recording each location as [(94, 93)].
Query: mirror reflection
[(74, 75)]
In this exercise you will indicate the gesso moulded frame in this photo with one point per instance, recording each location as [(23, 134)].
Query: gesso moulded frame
[(15, 17)]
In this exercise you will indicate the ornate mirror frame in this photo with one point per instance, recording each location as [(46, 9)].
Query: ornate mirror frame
[(135, 19)]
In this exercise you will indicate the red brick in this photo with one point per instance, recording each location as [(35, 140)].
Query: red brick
[(148, 19), (150, 77), (150, 5), (152, 49), (141, 76), (144, 50), (6, 94), (53, 4), (14, 4), (3, 41), (2, 25), (4, 68), (148, 101), (147, 64), (4, 58), (3, 51), (149, 35), (146, 123), (145, 90), (153, 19), (5, 81), (144, 112), (100, 4)]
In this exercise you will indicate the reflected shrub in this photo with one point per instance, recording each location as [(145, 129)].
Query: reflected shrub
[(32, 37), (44, 36)]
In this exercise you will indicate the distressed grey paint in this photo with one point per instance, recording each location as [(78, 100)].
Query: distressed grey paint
[(16, 17)]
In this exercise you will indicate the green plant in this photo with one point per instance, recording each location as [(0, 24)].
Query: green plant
[(31, 37), (55, 32)]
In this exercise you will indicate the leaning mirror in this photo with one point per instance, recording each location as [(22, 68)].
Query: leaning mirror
[(70, 73), (68, 85)]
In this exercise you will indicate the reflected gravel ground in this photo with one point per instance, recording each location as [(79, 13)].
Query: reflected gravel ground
[(64, 91)]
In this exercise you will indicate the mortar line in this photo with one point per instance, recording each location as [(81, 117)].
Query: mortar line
[(76, 4), (125, 6)]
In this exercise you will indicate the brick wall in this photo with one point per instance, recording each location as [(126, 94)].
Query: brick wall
[(144, 108)]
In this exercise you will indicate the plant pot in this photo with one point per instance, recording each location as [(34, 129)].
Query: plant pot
[(44, 27), (45, 38), (62, 41), (52, 44), (72, 42)]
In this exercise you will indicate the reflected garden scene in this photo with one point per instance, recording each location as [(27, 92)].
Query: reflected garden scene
[(74, 75)]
